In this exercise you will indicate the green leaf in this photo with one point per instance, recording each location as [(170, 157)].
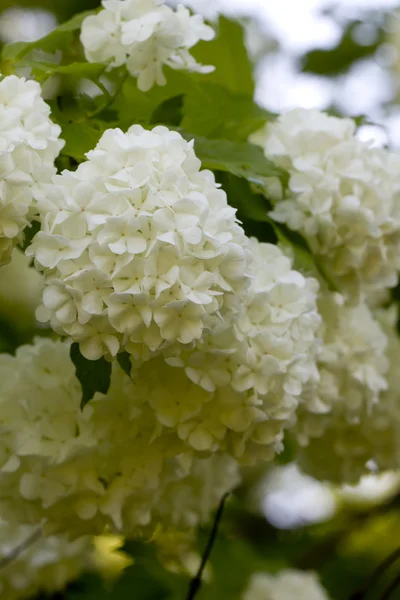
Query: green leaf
[(169, 112), (212, 110), (124, 361), (239, 158), (252, 208), (58, 39), (133, 106), (149, 574), (80, 138), (332, 62), (42, 70), (227, 52), (94, 375)]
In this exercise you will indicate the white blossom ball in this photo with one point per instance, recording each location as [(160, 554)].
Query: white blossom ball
[(239, 386), (343, 196), (108, 465), (346, 447), (352, 365), (43, 565), (29, 145), (285, 585), (139, 247), (145, 35)]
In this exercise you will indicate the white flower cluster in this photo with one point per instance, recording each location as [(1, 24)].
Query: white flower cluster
[(80, 471), (145, 35), (251, 370), (345, 447), (29, 145), (43, 564), (285, 585), (343, 196), (352, 365), (139, 247)]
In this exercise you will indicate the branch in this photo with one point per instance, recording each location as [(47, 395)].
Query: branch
[(392, 587), (380, 569), (14, 554), (195, 583)]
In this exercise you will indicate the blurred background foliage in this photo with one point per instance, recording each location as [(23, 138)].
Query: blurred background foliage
[(279, 517)]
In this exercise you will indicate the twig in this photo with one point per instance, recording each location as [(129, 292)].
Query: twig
[(392, 587), (195, 583), (110, 100), (34, 537), (380, 569)]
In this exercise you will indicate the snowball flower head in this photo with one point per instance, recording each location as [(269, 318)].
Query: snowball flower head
[(239, 386), (108, 465), (343, 196), (145, 35), (285, 585), (45, 566), (139, 247), (29, 144), (346, 446), (352, 366)]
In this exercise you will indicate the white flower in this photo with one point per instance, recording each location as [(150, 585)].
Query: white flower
[(352, 366), (138, 245), (239, 385), (146, 35), (109, 465), (343, 197), (285, 585), (45, 566), (29, 145), (357, 436)]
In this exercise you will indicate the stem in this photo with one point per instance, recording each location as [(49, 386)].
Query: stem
[(195, 583), (110, 100), (392, 587), (34, 537), (380, 569)]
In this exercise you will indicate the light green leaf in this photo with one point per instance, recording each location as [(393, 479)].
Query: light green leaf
[(42, 70), (94, 375), (80, 138), (227, 52), (133, 106), (58, 39), (212, 110)]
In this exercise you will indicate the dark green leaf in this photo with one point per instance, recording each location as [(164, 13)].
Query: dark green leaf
[(169, 112), (124, 361), (252, 208), (29, 234), (241, 159), (94, 375), (331, 62), (227, 52)]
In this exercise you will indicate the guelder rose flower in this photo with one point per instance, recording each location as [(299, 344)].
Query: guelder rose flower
[(238, 386), (285, 585), (29, 145), (344, 196), (45, 566), (345, 444), (139, 247), (108, 465), (352, 364), (145, 35)]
